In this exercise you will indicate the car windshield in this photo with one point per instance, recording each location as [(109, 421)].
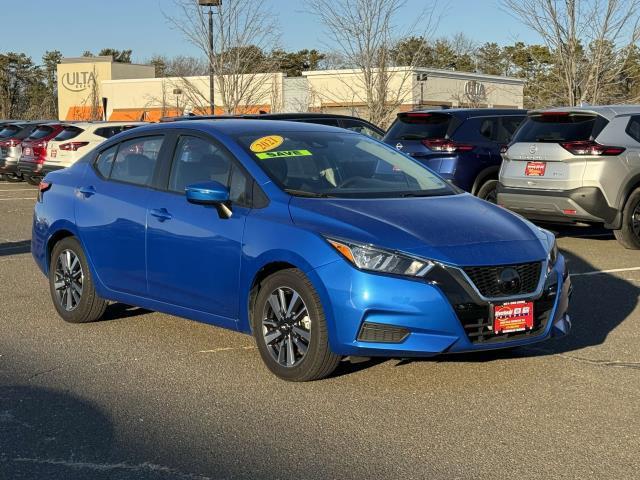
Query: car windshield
[(419, 126), (329, 164)]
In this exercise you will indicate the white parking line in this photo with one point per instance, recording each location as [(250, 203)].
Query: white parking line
[(19, 190), (19, 198), (598, 272)]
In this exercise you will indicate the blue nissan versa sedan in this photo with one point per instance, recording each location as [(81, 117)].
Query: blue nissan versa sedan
[(320, 242)]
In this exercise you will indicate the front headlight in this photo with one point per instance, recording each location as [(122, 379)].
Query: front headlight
[(366, 257)]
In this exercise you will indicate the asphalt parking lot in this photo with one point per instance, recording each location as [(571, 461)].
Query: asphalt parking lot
[(147, 395)]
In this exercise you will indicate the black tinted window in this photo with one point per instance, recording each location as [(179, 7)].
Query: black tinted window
[(561, 127), (40, 132), (105, 161), (9, 131), (633, 128), (489, 128), (332, 122), (507, 127), (361, 127), (68, 133), (136, 160), (419, 126), (239, 186), (197, 160)]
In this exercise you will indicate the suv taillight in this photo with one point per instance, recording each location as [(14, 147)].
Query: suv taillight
[(446, 145), (589, 147), (11, 142), (73, 146)]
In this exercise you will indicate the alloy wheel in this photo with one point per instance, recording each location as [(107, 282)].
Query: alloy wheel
[(286, 326), (68, 280), (635, 220)]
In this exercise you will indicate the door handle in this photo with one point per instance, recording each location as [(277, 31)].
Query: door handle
[(86, 191), (161, 214)]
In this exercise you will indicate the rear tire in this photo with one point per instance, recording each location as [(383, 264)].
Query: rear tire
[(629, 235), (13, 178), (290, 328), (488, 191), (33, 180), (71, 284)]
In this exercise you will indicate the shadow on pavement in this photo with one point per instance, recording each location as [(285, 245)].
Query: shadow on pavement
[(15, 248)]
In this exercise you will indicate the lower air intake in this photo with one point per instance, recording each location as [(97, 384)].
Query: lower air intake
[(381, 333)]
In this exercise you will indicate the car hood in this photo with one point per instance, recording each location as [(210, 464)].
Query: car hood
[(455, 229)]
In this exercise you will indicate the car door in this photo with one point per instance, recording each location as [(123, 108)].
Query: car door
[(111, 212), (194, 254)]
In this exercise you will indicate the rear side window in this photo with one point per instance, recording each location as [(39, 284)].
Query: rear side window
[(136, 160), (68, 133), (508, 126), (40, 132), (633, 128), (9, 131), (560, 128), (489, 128), (360, 127), (105, 161), (108, 132), (420, 126)]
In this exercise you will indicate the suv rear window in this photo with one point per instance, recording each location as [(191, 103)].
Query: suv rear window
[(40, 132), (9, 131), (562, 127), (68, 133), (108, 132), (418, 126)]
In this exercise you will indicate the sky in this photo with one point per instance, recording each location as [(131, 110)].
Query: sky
[(74, 26)]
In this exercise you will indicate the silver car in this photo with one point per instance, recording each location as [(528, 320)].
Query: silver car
[(577, 164)]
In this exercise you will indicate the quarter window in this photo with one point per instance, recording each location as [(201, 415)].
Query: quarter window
[(105, 161), (136, 160), (361, 127), (633, 128)]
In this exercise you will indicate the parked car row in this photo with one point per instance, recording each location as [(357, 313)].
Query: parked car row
[(31, 149), (559, 165)]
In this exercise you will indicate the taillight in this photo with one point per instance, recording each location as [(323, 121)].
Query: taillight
[(40, 151), (43, 187), (73, 146), (446, 145), (589, 147), (11, 142)]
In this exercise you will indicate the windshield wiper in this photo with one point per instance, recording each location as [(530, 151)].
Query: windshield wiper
[(304, 193)]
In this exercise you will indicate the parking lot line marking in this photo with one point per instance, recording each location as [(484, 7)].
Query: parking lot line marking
[(598, 272), (19, 190), (19, 198)]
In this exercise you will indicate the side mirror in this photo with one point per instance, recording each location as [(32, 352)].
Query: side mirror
[(210, 193)]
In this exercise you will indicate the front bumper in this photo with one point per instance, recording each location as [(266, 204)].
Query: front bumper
[(588, 203), (413, 318)]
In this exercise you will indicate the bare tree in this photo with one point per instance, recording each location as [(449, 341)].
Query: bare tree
[(364, 32), (243, 31), (591, 40)]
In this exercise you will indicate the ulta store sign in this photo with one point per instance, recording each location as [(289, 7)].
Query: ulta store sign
[(78, 81)]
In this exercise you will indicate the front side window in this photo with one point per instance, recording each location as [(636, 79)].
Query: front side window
[(136, 160), (105, 161), (340, 165), (197, 160)]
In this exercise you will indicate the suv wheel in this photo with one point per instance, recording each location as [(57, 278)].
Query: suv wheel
[(290, 328), (33, 180), (488, 191), (629, 234), (71, 284)]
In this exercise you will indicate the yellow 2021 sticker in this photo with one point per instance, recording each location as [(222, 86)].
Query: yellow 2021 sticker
[(264, 144), (284, 153)]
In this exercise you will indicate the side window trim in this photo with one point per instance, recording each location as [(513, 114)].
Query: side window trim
[(94, 162)]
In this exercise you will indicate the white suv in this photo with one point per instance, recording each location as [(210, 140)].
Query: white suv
[(77, 139), (577, 164)]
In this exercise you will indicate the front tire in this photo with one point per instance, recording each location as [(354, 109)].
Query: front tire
[(629, 235), (488, 191), (290, 328), (71, 284)]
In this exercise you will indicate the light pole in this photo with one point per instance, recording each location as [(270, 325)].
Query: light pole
[(211, 4)]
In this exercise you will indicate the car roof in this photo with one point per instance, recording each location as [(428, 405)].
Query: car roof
[(606, 111), (471, 112), (263, 116), (234, 126), (100, 124)]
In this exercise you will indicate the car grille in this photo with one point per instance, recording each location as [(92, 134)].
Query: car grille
[(486, 279)]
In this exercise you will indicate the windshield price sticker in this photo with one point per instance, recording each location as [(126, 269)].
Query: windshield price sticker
[(264, 144), (284, 153)]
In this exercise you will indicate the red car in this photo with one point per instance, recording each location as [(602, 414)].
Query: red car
[(34, 151)]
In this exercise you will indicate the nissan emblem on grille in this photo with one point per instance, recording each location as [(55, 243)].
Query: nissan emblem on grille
[(509, 281)]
